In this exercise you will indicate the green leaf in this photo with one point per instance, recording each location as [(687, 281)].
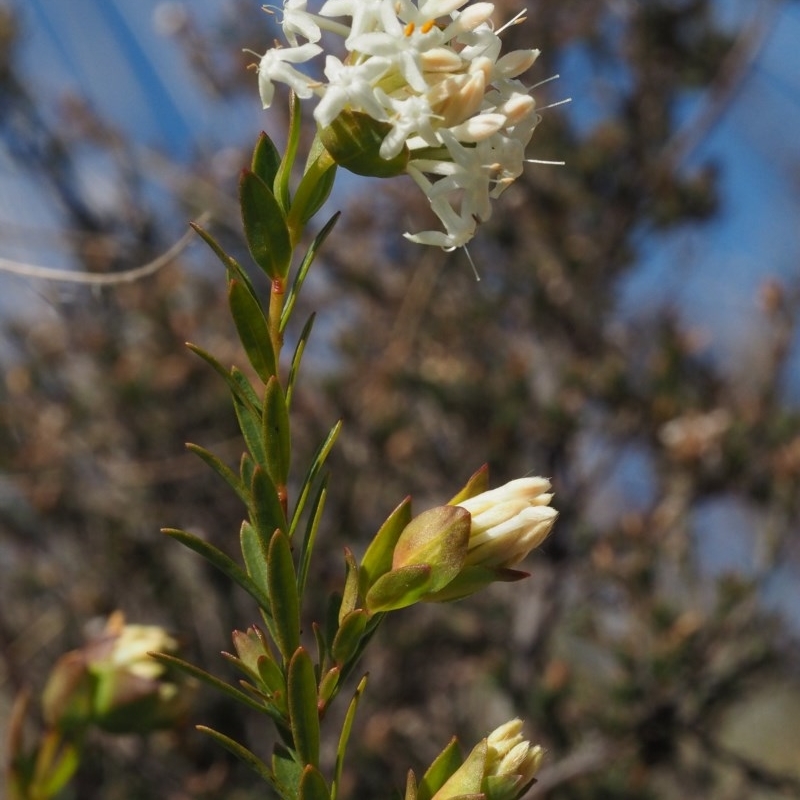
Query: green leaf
[(467, 780), (399, 588), (242, 753), (312, 527), (313, 786), (329, 686), (411, 787), (377, 560), (264, 226), (274, 681), (251, 324), (479, 482), (287, 162), (249, 419), (302, 700), (276, 433), (221, 561), (302, 271), (314, 187), (57, 761), (344, 736), (283, 597), (227, 260), (350, 593), (209, 680), (254, 552), (313, 471), (241, 390), (443, 767), (266, 511), (266, 159), (348, 637), (222, 469), (297, 357), (287, 773)]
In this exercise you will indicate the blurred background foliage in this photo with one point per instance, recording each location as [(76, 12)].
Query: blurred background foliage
[(654, 649)]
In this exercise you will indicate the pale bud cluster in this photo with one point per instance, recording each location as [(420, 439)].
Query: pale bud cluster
[(433, 73), (509, 522)]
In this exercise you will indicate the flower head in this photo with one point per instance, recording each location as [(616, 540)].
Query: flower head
[(431, 76)]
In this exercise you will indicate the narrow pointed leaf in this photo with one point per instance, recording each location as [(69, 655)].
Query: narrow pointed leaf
[(348, 637), (283, 597), (249, 420), (254, 552), (266, 159), (275, 429), (266, 511), (468, 778), (272, 678), (350, 593), (251, 324), (302, 700), (329, 686), (221, 561), (242, 753), (378, 559), (478, 482), (297, 357), (209, 680), (442, 768), (302, 271), (287, 162), (213, 244), (222, 469), (264, 226), (315, 517), (313, 471), (314, 187), (240, 387), (344, 736), (411, 787)]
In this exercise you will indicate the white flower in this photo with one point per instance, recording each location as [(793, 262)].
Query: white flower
[(274, 66), (350, 85), (296, 20), (434, 71)]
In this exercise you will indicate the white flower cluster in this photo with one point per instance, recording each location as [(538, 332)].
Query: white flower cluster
[(433, 72)]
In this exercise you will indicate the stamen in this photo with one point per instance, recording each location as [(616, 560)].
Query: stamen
[(409, 29), (553, 105), (515, 20), (428, 26)]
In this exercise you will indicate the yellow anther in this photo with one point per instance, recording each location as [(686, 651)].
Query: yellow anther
[(427, 26), (409, 29)]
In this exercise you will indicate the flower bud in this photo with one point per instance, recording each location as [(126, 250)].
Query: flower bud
[(508, 522), (500, 767), (354, 141), (112, 682)]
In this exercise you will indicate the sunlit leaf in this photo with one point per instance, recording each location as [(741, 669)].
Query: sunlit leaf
[(264, 226)]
